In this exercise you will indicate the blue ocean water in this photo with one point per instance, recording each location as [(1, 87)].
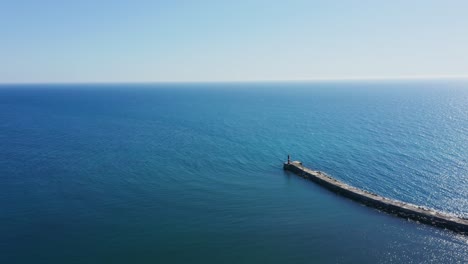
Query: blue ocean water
[(192, 173)]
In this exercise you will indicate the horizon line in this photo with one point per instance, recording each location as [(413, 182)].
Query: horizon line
[(370, 78)]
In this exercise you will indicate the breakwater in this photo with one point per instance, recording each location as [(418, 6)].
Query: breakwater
[(398, 208)]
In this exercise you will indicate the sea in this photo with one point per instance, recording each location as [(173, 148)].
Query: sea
[(192, 172)]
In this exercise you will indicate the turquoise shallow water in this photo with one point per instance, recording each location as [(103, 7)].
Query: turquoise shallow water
[(184, 173)]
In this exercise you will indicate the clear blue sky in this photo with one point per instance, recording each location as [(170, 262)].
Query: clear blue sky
[(242, 40)]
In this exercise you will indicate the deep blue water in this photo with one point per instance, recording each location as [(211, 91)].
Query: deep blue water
[(192, 173)]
